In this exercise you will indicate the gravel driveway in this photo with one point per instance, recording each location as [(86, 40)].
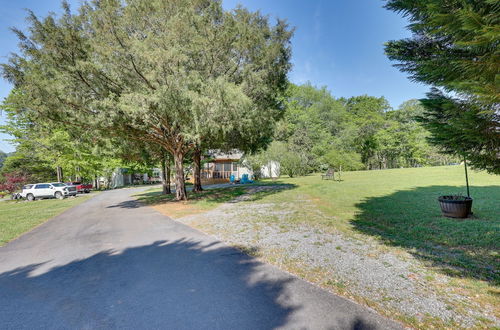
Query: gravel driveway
[(113, 263), (359, 268)]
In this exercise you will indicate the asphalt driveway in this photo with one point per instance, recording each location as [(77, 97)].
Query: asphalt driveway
[(113, 263)]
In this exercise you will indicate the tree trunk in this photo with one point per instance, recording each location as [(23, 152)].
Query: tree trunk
[(165, 174), (78, 178), (59, 174), (108, 181), (169, 172), (180, 186), (197, 171)]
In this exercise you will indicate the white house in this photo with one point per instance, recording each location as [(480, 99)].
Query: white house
[(271, 170), (219, 169), (222, 166), (122, 177)]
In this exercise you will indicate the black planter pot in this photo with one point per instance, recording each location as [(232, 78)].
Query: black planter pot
[(455, 208)]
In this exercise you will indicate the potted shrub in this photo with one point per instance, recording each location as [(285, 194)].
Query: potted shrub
[(457, 206)]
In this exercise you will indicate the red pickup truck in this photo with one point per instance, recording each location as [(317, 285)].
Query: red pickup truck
[(81, 187)]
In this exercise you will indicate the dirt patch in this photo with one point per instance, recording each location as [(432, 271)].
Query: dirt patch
[(177, 210)]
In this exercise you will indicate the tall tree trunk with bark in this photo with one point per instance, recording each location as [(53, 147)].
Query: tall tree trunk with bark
[(59, 174), (180, 186), (78, 177), (169, 172), (165, 174), (197, 171)]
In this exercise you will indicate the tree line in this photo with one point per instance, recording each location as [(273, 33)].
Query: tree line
[(162, 82), (319, 131)]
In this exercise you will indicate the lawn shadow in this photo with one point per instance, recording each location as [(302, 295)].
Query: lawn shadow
[(458, 247), (233, 194), (179, 284)]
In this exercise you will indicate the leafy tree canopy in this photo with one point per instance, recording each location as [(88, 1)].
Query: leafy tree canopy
[(3, 155), (464, 127), (319, 131), (172, 73), (455, 46)]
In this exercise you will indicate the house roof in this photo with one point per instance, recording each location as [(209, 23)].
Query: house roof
[(230, 155)]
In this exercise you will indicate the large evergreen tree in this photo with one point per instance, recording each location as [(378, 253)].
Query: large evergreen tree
[(455, 46), (175, 73)]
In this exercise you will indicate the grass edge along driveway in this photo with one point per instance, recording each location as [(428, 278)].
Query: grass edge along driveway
[(19, 217)]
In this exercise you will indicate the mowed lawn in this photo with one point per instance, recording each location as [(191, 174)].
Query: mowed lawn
[(399, 207), (18, 217), (197, 203)]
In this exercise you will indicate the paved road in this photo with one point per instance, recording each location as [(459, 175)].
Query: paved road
[(112, 263)]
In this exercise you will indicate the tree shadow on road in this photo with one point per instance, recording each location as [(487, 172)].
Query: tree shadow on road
[(129, 204), (457, 247), (177, 285)]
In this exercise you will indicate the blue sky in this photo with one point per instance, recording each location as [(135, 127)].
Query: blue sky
[(337, 44)]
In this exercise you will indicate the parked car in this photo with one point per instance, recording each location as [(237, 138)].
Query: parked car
[(72, 190), (81, 187), (57, 190)]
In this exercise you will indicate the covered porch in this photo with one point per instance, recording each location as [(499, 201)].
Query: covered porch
[(220, 169), (221, 166)]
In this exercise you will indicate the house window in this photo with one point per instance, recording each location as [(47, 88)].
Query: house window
[(218, 167), (227, 167), (235, 167)]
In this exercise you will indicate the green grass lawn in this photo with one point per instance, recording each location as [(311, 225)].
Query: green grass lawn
[(16, 218), (198, 202), (205, 200), (400, 208), (396, 207)]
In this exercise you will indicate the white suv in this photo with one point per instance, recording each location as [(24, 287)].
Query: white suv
[(47, 190)]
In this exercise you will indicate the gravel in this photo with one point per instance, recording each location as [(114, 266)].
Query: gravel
[(362, 267)]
